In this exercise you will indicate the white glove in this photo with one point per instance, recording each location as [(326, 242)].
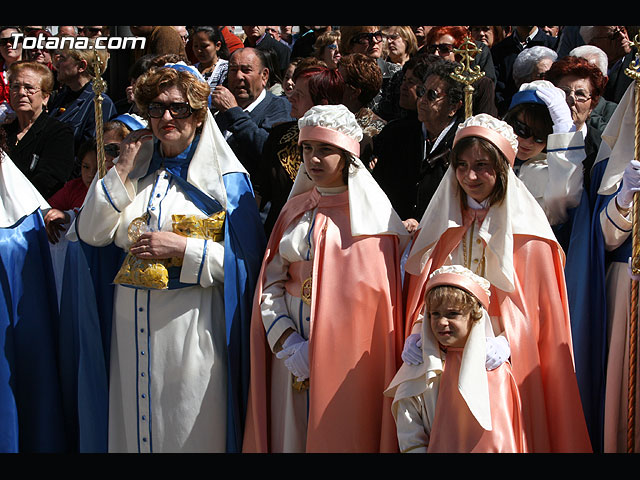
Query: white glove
[(498, 351), (630, 184), (412, 351), (556, 102), (295, 352)]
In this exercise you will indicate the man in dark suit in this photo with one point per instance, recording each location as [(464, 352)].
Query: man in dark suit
[(614, 41), (504, 55), (413, 152), (246, 110)]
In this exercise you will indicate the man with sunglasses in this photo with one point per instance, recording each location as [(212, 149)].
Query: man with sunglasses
[(614, 41)]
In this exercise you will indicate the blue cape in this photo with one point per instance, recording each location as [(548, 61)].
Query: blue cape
[(96, 268), (32, 418), (587, 263)]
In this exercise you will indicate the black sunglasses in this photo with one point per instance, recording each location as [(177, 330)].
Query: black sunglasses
[(367, 38), (112, 149), (8, 40), (177, 110), (525, 131), (432, 95), (442, 48)]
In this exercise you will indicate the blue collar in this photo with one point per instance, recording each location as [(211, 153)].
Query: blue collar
[(177, 165)]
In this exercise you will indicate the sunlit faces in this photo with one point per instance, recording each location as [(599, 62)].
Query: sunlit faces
[(247, 77), (175, 134), (300, 98), (578, 91), (324, 163), (25, 92), (476, 173), (450, 325)]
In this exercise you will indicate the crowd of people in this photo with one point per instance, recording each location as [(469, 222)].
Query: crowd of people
[(272, 239)]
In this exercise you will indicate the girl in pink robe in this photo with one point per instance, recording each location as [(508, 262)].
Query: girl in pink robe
[(451, 403), (327, 326), (483, 217)]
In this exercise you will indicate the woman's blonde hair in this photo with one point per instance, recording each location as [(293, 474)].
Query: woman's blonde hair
[(47, 80)]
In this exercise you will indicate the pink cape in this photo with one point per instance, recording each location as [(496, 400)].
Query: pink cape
[(356, 335), (536, 321), (456, 430)]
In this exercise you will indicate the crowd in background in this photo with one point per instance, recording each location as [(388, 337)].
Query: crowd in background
[(555, 88)]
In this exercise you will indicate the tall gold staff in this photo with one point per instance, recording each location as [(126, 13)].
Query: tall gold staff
[(633, 71), (99, 87), (466, 74)]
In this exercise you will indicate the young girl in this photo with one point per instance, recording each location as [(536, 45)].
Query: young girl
[(484, 218), (327, 322), (211, 52), (451, 402)]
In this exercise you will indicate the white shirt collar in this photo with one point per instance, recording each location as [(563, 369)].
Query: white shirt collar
[(255, 103)]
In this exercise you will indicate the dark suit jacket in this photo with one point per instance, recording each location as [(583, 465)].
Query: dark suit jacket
[(250, 130), (408, 177), (283, 53), (618, 80), (52, 142), (80, 113)]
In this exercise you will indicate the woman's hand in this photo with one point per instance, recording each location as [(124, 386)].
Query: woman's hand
[(55, 222), (158, 245), (129, 148)]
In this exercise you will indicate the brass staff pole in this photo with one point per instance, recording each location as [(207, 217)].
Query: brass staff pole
[(99, 87), (633, 71), (466, 74)]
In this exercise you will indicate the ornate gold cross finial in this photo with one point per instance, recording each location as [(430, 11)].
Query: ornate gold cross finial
[(467, 74), (99, 87)]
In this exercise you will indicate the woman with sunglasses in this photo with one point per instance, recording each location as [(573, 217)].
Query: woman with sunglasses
[(484, 218), (550, 152), (180, 205)]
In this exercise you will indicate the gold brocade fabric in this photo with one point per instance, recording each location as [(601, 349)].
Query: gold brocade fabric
[(154, 273), (289, 154)]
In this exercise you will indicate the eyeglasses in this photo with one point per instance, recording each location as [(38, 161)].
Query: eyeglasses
[(392, 36), (177, 110), (112, 149), (9, 40), (442, 48), (579, 95), (431, 94), (524, 131), (29, 89), (614, 34), (332, 46), (367, 38)]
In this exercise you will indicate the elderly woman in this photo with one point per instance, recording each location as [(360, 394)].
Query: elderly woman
[(532, 63), (484, 218), (40, 146), (181, 206), (401, 44)]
